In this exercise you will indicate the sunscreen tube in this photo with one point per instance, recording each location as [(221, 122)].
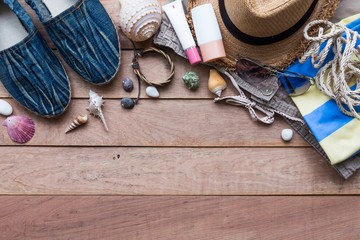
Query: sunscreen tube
[(208, 33), (176, 15)]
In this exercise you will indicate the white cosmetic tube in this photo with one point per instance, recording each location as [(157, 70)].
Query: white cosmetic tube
[(208, 33), (176, 15)]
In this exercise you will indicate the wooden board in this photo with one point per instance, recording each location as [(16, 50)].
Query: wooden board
[(201, 218), (168, 171), (158, 123), (178, 167)]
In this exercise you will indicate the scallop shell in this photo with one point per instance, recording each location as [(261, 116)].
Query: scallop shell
[(140, 19), (80, 120), (20, 128), (95, 105)]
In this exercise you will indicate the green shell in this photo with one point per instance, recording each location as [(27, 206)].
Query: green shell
[(191, 80)]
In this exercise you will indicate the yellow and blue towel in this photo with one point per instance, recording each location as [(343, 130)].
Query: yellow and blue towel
[(338, 134)]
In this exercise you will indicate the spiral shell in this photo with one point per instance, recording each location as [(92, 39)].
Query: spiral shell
[(140, 19), (216, 82), (80, 120), (96, 102)]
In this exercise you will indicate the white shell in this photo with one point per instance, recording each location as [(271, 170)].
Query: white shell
[(152, 92), (140, 19), (5, 108), (94, 108), (78, 121), (287, 134)]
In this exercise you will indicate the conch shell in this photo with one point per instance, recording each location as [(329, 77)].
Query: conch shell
[(140, 19), (80, 120), (216, 83), (94, 108)]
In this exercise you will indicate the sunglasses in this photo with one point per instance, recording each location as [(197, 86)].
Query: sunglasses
[(256, 72)]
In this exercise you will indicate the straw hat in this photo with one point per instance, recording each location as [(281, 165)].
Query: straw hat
[(270, 31)]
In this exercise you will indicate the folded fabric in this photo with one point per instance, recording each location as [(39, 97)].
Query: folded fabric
[(337, 133), (85, 36), (279, 101)]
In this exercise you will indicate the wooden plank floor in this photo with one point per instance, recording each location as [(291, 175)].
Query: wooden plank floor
[(178, 167)]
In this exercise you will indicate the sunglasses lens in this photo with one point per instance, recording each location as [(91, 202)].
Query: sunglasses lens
[(251, 72), (296, 86)]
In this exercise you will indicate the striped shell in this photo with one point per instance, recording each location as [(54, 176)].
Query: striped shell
[(140, 19), (20, 128), (80, 120)]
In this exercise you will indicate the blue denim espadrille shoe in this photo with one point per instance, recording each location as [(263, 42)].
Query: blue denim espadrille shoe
[(84, 34), (29, 70)]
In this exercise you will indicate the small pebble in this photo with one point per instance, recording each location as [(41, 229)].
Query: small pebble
[(287, 134), (5, 108), (127, 103), (128, 84), (152, 92)]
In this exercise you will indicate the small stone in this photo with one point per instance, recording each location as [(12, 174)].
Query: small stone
[(127, 103), (191, 80), (152, 92), (287, 134), (5, 108), (128, 84)]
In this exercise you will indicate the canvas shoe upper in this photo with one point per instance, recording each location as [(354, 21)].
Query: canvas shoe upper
[(29, 70), (84, 34)]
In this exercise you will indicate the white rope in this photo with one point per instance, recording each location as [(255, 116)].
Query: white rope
[(242, 100), (332, 78)]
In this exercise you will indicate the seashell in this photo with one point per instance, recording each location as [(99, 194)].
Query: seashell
[(151, 91), (287, 134), (5, 108), (127, 103), (20, 128), (128, 84), (140, 19), (216, 82), (95, 105), (191, 80), (80, 120)]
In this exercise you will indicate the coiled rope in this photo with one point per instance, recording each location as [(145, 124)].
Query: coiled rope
[(333, 78), (136, 66)]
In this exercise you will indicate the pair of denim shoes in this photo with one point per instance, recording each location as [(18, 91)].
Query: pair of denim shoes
[(83, 33)]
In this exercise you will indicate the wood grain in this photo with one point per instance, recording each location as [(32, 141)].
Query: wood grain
[(169, 171), (201, 218), (158, 123), (154, 68), (180, 144)]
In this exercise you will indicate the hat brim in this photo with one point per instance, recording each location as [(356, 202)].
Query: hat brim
[(279, 54)]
